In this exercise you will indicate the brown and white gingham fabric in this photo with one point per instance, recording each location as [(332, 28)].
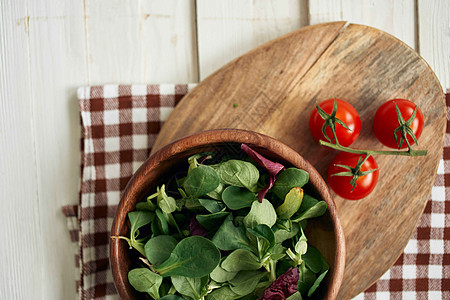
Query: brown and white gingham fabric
[(119, 126)]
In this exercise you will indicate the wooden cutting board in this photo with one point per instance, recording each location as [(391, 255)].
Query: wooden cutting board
[(276, 86)]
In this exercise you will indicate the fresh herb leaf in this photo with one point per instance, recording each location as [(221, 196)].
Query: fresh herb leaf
[(313, 212), (245, 282), (291, 204), (144, 206), (144, 280), (219, 274), (241, 259), (237, 197), (230, 237), (172, 297), (217, 193), (307, 202), (158, 248), (222, 293), (262, 237), (306, 279), (162, 221), (261, 213), (323, 273), (213, 206), (194, 256), (295, 296), (282, 234), (212, 221), (194, 288), (313, 259), (201, 181), (288, 179), (137, 219), (165, 203), (239, 173)]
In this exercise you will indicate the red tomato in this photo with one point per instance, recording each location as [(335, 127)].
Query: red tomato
[(386, 121), (341, 184), (346, 113)]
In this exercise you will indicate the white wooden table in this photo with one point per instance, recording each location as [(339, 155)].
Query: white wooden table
[(50, 47)]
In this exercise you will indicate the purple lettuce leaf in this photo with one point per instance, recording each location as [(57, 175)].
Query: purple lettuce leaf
[(195, 228), (273, 168), (283, 287)]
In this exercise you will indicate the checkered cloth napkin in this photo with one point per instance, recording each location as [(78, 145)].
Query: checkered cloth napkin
[(119, 126)]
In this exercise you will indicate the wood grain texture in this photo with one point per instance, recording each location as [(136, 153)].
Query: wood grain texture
[(55, 126), (276, 87), (140, 41), (434, 37), (242, 25), (394, 17)]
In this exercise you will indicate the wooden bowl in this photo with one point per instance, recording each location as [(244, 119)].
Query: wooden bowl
[(325, 232)]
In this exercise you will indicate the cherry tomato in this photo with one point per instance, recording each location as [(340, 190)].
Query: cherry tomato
[(346, 113), (386, 121), (341, 184)]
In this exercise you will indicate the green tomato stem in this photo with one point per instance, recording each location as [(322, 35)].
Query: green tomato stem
[(372, 152)]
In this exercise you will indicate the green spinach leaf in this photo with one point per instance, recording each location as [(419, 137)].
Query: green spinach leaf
[(307, 203), (316, 211), (241, 259), (245, 282), (323, 273), (194, 256), (138, 219), (262, 237), (194, 288), (158, 248), (201, 181), (165, 203), (239, 173), (284, 234), (219, 274), (144, 280), (261, 213), (144, 206), (230, 237), (306, 279), (212, 221), (213, 206), (172, 297), (162, 221), (295, 296), (237, 197), (222, 293), (291, 203), (217, 193), (313, 259), (288, 179)]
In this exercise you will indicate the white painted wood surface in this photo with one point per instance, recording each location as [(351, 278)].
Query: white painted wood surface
[(49, 48)]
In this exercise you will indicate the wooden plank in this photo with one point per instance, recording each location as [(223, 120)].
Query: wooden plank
[(227, 29), (57, 61), (21, 247), (140, 41), (169, 49), (434, 37), (113, 42), (394, 17)]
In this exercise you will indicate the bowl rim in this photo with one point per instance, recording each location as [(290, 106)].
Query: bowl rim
[(220, 136)]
